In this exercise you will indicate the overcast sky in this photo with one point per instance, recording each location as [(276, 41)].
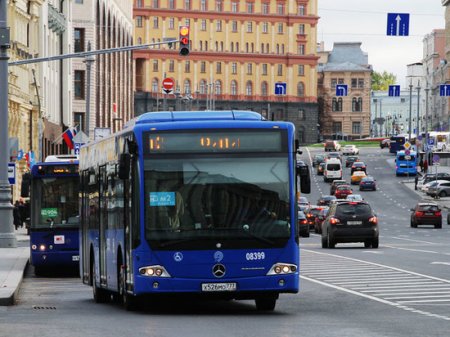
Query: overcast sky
[(366, 21)]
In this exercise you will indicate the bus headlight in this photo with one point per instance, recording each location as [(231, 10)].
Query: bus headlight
[(154, 271), (282, 269), (42, 247)]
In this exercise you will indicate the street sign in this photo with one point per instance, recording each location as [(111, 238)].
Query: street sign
[(394, 90), (407, 145), (76, 147), (444, 90), (407, 152), (341, 90), (430, 141), (398, 24), (280, 88), (12, 173), (436, 159), (168, 84)]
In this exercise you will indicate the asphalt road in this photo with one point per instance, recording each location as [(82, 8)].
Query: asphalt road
[(400, 289)]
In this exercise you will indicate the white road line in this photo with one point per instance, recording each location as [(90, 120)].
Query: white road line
[(416, 296), (416, 250), (446, 291), (425, 301), (374, 289), (419, 241)]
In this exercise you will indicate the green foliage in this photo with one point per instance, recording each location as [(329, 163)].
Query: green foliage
[(381, 81)]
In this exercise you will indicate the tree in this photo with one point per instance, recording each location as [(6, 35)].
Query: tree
[(381, 81)]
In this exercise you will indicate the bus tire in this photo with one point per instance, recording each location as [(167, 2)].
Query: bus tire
[(100, 295), (266, 303)]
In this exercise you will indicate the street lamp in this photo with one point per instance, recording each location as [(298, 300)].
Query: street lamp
[(410, 109)]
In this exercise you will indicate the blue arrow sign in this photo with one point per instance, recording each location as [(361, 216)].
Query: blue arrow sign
[(394, 90), (280, 88), (398, 24), (444, 90), (341, 90)]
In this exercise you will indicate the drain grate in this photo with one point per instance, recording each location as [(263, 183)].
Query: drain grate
[(38, 307)]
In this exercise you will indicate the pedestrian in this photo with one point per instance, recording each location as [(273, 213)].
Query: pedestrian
[(416, 180), (425, 166), (16, 215), (421, 164)]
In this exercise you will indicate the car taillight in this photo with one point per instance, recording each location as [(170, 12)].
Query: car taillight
[(302, 222), (309, 215), (373, 220), (438, 213), (419, 213), (335, 221)]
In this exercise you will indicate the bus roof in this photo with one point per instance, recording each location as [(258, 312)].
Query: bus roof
[(402, 153), (61, 158)]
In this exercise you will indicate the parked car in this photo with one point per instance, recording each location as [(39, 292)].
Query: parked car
[(427, 186), (320, 218), (332, 145), (426, 213), (432, 176), (326, 200), (368, 183), (342, 191), (303, 227), (350, 160), (358, 166), (335, 184), (317, 159), (357, 176), (354, 197), (385, 143), (321, 169), (350, 150), (440, 189), (350, 221)]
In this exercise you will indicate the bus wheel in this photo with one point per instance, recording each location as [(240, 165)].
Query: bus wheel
[(128, 301), (100, 295), (266, 303)]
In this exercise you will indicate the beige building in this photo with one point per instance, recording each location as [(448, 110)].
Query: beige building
[(242, 54), (344, 114)]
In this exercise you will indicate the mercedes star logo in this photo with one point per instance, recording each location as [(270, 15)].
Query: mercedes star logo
[(218, 270)]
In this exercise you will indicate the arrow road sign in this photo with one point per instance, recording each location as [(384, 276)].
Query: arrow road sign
[(394, 90), (444, 90), (398, 24), (341, 90), (168, 84), (280, 88)]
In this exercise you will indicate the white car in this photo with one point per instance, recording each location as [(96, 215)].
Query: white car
[(355, 197), (350, 150)]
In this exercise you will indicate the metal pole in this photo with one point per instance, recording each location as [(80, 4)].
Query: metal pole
[(7, 236), (88, 60), (375, 131), (381, 116), (418, 123), (410, 110), (426, 121)]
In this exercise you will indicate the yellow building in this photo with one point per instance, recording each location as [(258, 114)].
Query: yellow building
[(242, 53)]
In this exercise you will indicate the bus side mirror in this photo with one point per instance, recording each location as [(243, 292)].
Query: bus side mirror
[(25, 186), (297, 147), (124, 166)]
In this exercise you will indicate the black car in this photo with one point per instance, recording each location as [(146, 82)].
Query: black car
[(350, 160), (352, 221), (326, 200), (318, 158), (358, 166), (368, 183), (303, 227)]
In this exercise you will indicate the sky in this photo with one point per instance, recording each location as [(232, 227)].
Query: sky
[(366, 21)]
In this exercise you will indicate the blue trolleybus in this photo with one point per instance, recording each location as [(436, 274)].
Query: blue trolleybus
[(199, 203), (405, 164), (54, 221)]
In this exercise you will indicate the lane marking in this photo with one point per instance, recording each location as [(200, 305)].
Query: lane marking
[(419, 241)]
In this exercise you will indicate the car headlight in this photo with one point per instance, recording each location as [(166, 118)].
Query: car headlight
[(282, 269), (154, 271)]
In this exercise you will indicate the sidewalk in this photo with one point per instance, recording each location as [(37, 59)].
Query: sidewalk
[(12, 266)]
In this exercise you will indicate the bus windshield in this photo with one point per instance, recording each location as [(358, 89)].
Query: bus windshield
[(55, 203), (190, 202)]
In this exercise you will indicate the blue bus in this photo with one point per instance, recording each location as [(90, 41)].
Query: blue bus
[(405, 164), (53, 187), (200, 203)]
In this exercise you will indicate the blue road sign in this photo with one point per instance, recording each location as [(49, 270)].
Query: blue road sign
[(394, 90), (12, 173), (280, 88), (76, 148), (430, 141), (398, 24), (341, 90), (444, 90), (436, 159)]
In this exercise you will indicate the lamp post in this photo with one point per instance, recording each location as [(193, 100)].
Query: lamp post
[(375, 133), (7, 236), (418, 106), (410, 110), (426, 121)]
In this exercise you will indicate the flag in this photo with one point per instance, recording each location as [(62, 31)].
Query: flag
[(68, 137)]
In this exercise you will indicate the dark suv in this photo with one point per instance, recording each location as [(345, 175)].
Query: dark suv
[(352, 221)]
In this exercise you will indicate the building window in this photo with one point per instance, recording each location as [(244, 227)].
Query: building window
[(233, 88), (155, 22), (249, 88), (280, 9), (219, 68), (155, 65), (79, 40), (79, 84), (250, 8), (265, 27), (204, 5), (234, 7), (264, 88), (187, 87), (139, 21), (155, 3), (300, 89), (155, 85), (171, 23), (202, 87), (280, 28), (280, 70), (203, 25), (187, 22), (354, 83), (171, 4), (301, 70), (187, 4), (357, 104), (187, 66), (264, 68), (249, 27), (219, 6), (234, 26), (203, 67), (301, 28), (265, 8), (249, 69), (234, 68), (301, 114), (218, 25), (301, 10), (79, 2), (356, 128), (218, 87), (337, 128), (171, 66), (301, 49), (361, 83), (336, 104), (78, 119), (139, 40)]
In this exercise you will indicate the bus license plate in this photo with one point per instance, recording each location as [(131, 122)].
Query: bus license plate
[(209, 287), (354, 222)]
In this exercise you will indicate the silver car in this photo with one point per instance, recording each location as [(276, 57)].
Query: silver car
[(439, 189)]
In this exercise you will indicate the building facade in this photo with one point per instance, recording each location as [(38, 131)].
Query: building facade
[(106, 101), (240, 54), (348, 116)]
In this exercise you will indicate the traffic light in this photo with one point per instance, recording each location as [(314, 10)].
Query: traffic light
[(184, 40)]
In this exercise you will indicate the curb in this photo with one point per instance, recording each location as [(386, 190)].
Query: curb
[(10, 286)]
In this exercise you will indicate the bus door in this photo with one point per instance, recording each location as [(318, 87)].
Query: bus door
[(103, 219)]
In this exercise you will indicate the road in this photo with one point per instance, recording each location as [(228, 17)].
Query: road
[(400, 289)]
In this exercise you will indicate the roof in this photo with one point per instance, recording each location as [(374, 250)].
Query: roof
[(347, 56)]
